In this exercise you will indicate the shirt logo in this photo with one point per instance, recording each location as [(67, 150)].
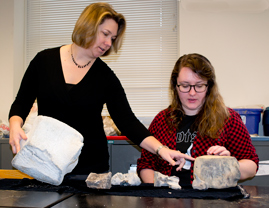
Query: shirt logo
[(186, 137)]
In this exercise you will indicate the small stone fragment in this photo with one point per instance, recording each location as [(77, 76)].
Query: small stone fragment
[(164, 180), (133, 179), (127, 179), (118, 178), (160, 179), (99, 181)]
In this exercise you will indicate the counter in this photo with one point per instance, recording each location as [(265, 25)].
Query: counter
[(259, 198), (124, 154), (6, 154)]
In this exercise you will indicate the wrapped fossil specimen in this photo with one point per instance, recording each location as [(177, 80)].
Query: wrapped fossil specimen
[(211, 171), (51, 150)]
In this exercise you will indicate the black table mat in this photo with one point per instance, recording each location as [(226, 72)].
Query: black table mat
[(144, 190)]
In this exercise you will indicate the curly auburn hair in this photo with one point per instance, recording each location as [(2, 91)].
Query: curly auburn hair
[(213, 114)]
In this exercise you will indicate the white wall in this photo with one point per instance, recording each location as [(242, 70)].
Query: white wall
[(235, 38), (11, 52), (6, 56)]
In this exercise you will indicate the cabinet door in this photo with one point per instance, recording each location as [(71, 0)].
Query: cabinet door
[(123, 155), (6, 154)]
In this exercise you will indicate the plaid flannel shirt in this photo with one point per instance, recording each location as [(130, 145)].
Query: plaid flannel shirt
[(234, 137)]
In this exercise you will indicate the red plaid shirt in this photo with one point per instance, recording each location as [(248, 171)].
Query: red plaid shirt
[(234, 137)]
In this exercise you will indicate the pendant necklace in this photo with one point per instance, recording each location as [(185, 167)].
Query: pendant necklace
[(79, 66)]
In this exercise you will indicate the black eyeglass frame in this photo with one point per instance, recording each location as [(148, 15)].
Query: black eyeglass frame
[(193, 88)]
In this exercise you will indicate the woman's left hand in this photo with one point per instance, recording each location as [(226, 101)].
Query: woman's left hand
[(218, 150)]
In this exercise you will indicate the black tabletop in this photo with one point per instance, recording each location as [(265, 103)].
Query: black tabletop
[(61, 197), (11, 198), (259, 198)]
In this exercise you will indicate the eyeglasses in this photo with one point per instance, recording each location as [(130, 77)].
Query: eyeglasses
[(187, 88)]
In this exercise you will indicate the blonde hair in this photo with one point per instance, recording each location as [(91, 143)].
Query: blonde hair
[(213, 115), (85, 31)]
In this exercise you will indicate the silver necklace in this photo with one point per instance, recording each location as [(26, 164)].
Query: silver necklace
[(79, 66)]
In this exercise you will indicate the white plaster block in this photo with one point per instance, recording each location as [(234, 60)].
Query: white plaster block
[(51, 150)]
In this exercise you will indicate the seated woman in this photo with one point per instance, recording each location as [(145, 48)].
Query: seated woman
[(197, 123)]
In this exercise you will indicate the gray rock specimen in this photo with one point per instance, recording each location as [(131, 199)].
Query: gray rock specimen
[(211, 171), (51, 150), (133, 179), (164, 180), (99, 181), (127, 179), (119, 179)]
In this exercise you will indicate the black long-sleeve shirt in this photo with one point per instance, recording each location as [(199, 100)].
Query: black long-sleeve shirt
[(80, 107)]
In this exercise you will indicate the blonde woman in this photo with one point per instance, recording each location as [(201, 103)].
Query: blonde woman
[(71, 84)]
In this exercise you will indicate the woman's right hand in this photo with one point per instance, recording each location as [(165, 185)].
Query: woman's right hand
[(16, 133), (218, 150)]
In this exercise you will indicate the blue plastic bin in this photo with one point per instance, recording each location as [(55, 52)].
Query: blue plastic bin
[(251, 118)]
